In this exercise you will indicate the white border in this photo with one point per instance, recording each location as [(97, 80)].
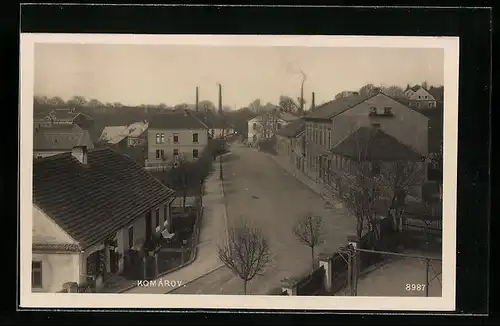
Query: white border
[(450, 45)]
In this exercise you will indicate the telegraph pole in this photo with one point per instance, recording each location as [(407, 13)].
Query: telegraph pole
[(220, 113)]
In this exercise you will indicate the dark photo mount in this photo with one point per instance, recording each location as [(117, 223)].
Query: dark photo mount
[(473, 28)]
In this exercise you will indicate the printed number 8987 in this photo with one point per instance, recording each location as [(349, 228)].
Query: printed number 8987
[(415, 287)]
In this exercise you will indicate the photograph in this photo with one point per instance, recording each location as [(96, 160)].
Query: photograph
[(245, 172)]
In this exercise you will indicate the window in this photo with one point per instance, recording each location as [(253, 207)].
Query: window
[(160, 154), (417, 104), (373, 110), (195, 138), (131, 237), (254, 126), (419, 97), (425, 97), (176, 152), (430, 105), (176, 138), (195, 153), (36, 274), (278, 126), (157, 218), (387, 110), (160, 138)]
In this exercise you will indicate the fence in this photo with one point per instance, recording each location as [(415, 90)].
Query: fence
[(313, 283), (340, 271)]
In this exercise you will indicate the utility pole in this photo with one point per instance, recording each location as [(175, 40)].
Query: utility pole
[(302, 93), (220, 113)]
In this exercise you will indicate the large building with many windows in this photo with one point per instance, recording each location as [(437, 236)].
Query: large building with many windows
[(176, 136)]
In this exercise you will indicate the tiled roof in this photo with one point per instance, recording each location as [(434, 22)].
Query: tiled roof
[(136, 129), (176, 120), (333, 108), (292, 129), (61, 137), (373, 144), (56, 247), (93, 201)]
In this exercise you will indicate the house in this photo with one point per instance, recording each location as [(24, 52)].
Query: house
[(264, 126), (372, 146), (420, 98), (90, 209), (59, 139), (329, 124), (126, 136), (173, 137), (62, 117), (291, 143)]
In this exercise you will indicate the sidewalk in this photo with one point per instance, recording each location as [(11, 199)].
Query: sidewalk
[(311, 184), (213, 231)]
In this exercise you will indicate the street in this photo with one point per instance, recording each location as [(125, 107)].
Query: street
[(259, 190)]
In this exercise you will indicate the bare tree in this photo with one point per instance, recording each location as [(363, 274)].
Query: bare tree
[(398, 179), (394, 91), (246, 252), (255, 106), (308, 230), (359, 193), (425, 85), (367, 90)]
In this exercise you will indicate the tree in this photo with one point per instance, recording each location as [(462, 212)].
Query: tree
[(255, 106), (77, 101), (56, 101), (425, 85), (206, 105), (435, 160), (94, 103), (40, 100), (162, 106), (308, 230), (398, 178), (246, 252), (360, 193), (117, 105), (394, 91), (367, 90)]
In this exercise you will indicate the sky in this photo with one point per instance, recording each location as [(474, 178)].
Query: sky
[(169, 74)]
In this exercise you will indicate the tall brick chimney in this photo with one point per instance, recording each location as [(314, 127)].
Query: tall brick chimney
[(313, 102), (197, 99)]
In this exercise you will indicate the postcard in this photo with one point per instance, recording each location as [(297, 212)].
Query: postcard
[(238, 172)]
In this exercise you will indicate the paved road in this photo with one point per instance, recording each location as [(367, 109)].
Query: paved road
[(260, 190)]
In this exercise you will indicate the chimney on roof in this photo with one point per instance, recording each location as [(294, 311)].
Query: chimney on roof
[(80, 153), (313, 102), (197, 99)]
